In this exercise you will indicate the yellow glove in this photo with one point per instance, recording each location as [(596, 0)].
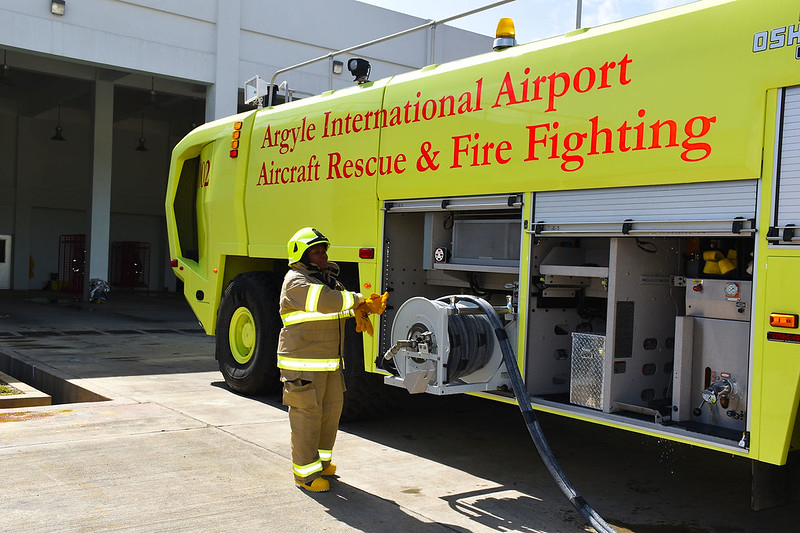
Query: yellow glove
[(362, 322), (376, 303)]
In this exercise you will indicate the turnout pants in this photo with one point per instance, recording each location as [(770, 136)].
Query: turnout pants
[(315, 405)]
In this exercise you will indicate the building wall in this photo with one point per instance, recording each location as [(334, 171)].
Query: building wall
[(194, 54)]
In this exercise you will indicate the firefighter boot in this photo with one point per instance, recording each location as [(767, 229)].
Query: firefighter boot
[(317, 485), (329, 470)]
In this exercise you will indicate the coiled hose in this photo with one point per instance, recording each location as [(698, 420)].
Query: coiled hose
[(523, 400)]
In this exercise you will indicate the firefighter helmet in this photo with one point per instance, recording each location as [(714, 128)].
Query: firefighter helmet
[(302, 241)]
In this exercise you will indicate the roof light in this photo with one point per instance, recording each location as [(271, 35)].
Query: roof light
[(782, 320), (505, 35)]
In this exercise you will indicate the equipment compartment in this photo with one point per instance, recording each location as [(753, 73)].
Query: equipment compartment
[(617, 326), (651, 330)]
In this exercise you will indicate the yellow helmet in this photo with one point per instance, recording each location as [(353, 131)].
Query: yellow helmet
[(302, 241)]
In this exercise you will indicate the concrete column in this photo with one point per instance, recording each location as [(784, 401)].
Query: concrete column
[(222, 97), (22, 225), (100, 210)]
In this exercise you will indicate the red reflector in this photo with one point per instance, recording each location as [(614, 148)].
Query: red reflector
[(366, 253), (173, 263), (782, 320), (234, 153), (783, 337)]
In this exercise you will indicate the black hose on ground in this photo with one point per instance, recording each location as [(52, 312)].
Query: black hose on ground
[(535, 430)]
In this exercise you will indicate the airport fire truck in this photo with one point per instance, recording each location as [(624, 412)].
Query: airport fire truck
[(626, 197)]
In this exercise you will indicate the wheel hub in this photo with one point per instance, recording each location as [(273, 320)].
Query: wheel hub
[(242, 335)]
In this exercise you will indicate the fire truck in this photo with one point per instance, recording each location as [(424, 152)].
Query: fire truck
[(626, 198)]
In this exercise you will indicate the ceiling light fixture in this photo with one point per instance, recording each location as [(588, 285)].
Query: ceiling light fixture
[(141, 147), (4, 79), (152, 102), (59, 129)]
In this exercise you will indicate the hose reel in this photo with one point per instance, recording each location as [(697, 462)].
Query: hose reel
[(434, 353), (443, 347)]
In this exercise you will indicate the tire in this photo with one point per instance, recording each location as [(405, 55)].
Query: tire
[(248, 324), (366, 396)]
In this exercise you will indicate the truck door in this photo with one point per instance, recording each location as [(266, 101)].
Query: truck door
[(780, 368)]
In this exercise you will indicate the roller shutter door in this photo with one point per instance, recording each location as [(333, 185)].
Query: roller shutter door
[(786, 215), (713, 209)]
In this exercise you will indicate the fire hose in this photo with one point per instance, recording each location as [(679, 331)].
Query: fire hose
[(535, 430)]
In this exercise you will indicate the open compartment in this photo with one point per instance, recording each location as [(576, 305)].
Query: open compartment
[(644, 318), (617, 327)]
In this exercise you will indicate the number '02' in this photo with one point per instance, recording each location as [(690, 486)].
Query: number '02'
[(205, 172)]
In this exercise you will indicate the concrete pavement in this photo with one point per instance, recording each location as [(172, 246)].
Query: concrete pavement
[(174, 450)]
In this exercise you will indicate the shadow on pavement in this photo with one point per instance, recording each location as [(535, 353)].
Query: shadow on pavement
[(367, 512)]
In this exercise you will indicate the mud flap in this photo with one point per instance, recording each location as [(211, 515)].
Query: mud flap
[(772, 486)]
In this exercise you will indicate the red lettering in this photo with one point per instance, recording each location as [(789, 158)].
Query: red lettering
[(482, 154), (623, 70), (608, 135), (506, 89), (360, 167), (533, 140), (604, 77), (458, 149), (577, 80), (553, 94), (334, 158), (689, 147)]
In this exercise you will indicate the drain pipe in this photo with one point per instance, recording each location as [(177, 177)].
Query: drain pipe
[(523, 400)]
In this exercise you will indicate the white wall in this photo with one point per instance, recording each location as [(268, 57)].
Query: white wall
[(194, 49), (180, 38)]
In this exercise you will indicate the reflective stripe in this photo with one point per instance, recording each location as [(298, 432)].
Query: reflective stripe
[(292, 363), (347, 300), (307, 470), (325, 455), (296, 317), (312, 298)]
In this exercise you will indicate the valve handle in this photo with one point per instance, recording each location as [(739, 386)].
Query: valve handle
[(696, 411)]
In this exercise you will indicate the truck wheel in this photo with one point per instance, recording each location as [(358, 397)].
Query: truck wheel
[(248, 324), (366, 396)]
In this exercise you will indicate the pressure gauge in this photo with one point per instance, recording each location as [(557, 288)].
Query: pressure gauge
[(732, 290)]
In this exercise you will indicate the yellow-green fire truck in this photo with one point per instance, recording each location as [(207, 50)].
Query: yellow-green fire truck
[(627, 197)]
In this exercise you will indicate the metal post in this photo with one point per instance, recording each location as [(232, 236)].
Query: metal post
[(578, 11), (432, 56), (330, 72)]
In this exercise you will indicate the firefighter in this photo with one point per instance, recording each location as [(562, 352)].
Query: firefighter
[(314, 306)]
